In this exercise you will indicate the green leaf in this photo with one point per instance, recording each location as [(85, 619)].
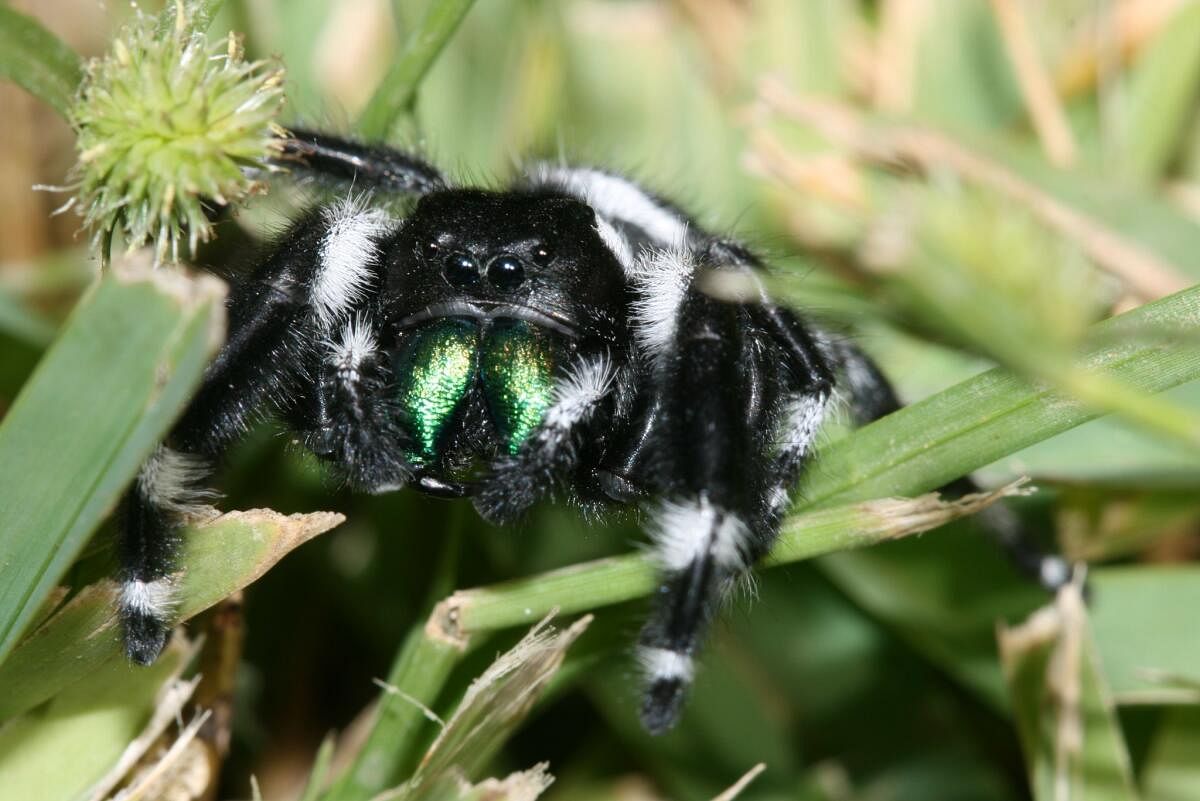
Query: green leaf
[(1143, 618), (59, 751), (1171, 771), (1073, 745), (101, 399), (38, 61), (219, 558)]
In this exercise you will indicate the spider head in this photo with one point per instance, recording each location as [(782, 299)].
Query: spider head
[(533, 256)]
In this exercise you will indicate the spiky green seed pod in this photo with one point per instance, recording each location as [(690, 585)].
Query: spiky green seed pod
[(166, 122)]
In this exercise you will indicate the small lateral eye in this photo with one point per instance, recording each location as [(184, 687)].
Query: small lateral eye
[(431, 248), (542, 255), (461, 270)]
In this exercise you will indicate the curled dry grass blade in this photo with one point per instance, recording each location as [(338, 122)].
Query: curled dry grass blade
[(1063, 706)]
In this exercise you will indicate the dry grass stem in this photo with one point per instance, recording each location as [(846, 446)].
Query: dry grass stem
[(1146, 275), (1045, 109), (1119, 29), (172, 698), (895, 63), (741, 784)]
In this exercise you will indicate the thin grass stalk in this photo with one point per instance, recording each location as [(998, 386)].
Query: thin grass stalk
[(397, 93), (420, 670), (38, 61)]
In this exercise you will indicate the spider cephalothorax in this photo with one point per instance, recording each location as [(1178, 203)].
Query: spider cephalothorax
[(551, 338)]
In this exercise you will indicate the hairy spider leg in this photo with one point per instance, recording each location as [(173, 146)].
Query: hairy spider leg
[(700, 430), (719, 389), (364, 167), (300, 301)]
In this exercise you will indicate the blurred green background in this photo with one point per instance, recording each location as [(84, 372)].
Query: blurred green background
[(956, 184)]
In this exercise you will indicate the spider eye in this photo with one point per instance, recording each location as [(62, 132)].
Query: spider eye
[(506, 272), (431, 248), (461, 270), (542, 256)]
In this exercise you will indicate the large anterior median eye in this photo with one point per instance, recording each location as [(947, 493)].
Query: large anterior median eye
[(506, 272), (434, 371), (461, 270), (518, 378)]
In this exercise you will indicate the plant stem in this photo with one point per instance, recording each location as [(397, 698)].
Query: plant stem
[(419, 672), (605, 582), (398, 91), (925, 445), (38, 61)]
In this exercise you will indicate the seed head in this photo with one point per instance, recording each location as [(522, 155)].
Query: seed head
[(166, 122)]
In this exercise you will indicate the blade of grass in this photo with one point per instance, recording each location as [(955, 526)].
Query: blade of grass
[(21, 323), (37, 60), (398, 91), (492, 707), (105, 393), (219, 558), (927, 444), (1162, 97), (92, 722), (617, 579), (420, 670), (1171, 771), (1143, 617)]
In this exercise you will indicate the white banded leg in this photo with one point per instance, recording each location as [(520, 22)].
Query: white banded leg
[(167, 489), (278, 318), (706, 534)]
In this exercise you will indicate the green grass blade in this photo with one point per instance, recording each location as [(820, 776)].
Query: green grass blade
[(1143, 617), (1066, 719), (985, 418), (218, 559), (1171, 771), (22, 324), (396, 95), (37, 60), (1162, 97), (609, 581), (58, 752), (99, 401)]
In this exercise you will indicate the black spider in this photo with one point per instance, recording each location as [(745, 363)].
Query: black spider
[(553, 337)]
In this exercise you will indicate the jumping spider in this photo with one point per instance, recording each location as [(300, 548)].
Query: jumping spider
[(553, 337)]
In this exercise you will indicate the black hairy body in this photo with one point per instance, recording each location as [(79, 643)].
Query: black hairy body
[(550, 339)]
